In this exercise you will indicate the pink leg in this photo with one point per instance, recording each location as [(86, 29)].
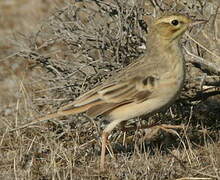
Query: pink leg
[(162, 126), (104, 143), (105, 134)]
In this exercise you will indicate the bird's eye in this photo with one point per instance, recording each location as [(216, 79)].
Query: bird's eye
[(175, 22)]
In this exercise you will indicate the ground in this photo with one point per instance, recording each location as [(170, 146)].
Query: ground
[(52, 51)]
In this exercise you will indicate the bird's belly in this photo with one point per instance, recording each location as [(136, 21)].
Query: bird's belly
[(133, 109), (162, 97)]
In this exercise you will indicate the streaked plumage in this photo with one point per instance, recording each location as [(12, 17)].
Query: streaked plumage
[(145, 86)]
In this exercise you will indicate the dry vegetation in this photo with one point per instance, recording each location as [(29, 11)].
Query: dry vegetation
[(47, 60)]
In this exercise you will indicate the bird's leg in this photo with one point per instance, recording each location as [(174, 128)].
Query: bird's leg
[(104, 143), (165, 127), (105, 135), (154, 128), (169, 128)]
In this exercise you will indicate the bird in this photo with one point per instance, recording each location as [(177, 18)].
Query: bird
[(146, 86)]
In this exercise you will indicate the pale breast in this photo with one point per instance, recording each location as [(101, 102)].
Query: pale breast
[(164, 95), (171, 74)]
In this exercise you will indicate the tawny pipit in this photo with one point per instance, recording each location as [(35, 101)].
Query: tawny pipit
[(143, 87)]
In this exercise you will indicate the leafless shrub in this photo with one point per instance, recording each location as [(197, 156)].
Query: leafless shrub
[(81, 45)]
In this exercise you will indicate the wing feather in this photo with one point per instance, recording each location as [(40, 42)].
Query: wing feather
[(106, 97), (103, 108)]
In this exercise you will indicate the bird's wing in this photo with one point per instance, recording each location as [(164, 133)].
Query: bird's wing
[(127, 87), (111, 95)]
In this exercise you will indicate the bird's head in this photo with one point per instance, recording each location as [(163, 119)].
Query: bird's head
[(171, 27)]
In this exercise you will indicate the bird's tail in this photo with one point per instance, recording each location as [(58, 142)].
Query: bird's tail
[(59, 113)]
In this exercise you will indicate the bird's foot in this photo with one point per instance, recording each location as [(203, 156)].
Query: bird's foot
[(153, 130)]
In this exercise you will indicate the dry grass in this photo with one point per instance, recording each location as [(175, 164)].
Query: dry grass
[(77, 47)]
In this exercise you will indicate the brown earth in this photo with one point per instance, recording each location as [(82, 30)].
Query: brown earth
[(52, 51)]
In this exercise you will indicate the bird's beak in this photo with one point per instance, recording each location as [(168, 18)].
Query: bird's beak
[(196, 22)]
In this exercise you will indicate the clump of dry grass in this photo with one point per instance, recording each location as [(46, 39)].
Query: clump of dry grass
[(78, 47)]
